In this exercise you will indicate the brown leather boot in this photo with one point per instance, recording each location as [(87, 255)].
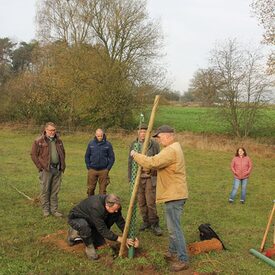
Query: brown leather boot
[(179, 265), (156, 229), (169, 256)]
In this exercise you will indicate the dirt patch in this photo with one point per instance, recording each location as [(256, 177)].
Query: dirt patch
[(58, 239), (108, 252)]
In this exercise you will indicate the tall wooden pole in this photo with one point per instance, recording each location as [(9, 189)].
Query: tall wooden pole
[(267, 227), (137, 180)]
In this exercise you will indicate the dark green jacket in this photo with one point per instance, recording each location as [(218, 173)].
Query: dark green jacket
[(153, 149)]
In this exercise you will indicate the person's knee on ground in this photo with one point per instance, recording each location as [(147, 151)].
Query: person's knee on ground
[(91, 252), (73, 236)]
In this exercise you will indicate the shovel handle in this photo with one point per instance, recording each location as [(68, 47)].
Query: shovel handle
[(267, 227)]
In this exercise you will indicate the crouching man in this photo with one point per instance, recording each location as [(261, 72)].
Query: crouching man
[(92, 219)]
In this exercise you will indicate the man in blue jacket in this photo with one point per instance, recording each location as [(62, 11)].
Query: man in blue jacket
[(99, 159)]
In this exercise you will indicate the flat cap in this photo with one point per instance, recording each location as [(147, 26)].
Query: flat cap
[(164, 129), (143, 126), (112, 199)]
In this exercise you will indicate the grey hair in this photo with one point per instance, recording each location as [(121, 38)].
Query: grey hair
[(49, 124), (112, 199)]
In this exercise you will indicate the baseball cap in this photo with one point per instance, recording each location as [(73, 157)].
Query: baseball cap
[(164, 129)]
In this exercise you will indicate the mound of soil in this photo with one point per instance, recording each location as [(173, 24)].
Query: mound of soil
[(59, 239)]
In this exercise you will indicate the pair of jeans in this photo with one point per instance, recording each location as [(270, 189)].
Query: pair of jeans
[(177, 244), (236, 184)]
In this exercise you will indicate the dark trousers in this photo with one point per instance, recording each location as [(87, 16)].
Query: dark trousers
[(100, 176), (88, 233), (147, 201)]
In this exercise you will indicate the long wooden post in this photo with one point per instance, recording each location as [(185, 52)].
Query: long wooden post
[(137, 180), (267, 227)]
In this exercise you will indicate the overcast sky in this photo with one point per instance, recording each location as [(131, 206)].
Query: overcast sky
[(190, 27)]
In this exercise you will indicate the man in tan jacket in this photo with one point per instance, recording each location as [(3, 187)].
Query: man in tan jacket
[(171, 190)]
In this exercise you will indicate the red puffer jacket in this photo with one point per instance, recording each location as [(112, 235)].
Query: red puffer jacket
[(241, 167)]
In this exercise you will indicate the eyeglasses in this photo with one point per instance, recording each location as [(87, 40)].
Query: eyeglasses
[(51, 130)]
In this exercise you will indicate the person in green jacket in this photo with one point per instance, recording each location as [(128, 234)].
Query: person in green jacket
[(147, 185)]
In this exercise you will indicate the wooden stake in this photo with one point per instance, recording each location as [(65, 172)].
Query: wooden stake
[(137, 180), (20, 192), (267, 227)]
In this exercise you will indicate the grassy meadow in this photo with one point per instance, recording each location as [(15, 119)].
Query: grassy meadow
[(241, 227), (208, 120)]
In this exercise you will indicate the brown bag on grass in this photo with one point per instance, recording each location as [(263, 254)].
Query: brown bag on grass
[(204, 246)]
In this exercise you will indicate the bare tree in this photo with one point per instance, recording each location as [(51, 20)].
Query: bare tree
[(265, 12), (121, 27), (127, 43), (204, 86), (63, 20), (244, 84)]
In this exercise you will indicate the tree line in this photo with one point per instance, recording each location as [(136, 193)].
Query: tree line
[(99, 62), (239, 80), (95, 63)]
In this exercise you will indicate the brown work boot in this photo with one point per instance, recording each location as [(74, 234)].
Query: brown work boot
[(57, 214), (169, 256), (90, 252), (46, 213), (156, 229), (144, 226), (179, 265)]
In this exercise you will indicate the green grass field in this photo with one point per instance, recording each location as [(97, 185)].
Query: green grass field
[(241, 227), (208, 120)]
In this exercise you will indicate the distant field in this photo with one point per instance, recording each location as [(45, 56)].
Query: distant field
[(208, 120)]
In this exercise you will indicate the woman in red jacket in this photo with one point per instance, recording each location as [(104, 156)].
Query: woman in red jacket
[(241, 167)]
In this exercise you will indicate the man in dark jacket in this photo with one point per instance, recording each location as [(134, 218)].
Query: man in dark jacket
[(99, 159), (92, 218), (147, 185), (48, 155)]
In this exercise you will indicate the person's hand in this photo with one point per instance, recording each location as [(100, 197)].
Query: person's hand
[(119, 239), (132, 153), (136, 243), (131, 242)]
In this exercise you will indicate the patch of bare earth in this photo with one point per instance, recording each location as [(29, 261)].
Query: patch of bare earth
[(58, 239)]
